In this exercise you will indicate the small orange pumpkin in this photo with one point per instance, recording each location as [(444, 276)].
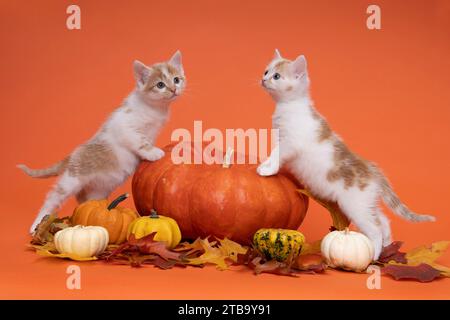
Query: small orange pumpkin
[(101, 213)]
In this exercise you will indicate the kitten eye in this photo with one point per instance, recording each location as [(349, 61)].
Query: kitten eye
[(176, 80), (265, 73), (160, 85), (276, 76)]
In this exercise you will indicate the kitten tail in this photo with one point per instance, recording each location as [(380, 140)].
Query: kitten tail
[(392, 200), (51, 171)]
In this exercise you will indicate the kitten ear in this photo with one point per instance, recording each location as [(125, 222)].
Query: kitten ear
[(299, 65), (277, 55), (141, 73), (176, 60)]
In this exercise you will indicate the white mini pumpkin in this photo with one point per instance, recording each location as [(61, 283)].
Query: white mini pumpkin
[(82, 241), (348, 250)]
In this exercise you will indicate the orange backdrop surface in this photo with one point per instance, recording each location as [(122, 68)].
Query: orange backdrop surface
[(386, 92)]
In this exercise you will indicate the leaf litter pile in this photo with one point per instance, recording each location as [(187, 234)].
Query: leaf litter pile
[(418, 264)]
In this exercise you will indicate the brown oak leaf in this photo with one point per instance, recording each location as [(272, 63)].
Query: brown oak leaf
[(259, 265), (47, 228), (392, 253), (422, 272), (138, 252), (310, 263)]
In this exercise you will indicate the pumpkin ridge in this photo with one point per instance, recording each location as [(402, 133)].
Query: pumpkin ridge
[(206, 175), (162, 172), (118, 222), (263, 192), (144, 178), (234, 196), (168, 232), (289, 200), (127, 215), (286, 201), (292, 208)]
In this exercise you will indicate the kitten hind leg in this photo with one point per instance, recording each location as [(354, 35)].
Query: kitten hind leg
[(97, 194), (90, 194), (65, 187), (96, 190), (364, 218), (81, 196), (385, 227)]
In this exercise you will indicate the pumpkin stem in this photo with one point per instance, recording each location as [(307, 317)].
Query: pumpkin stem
[(118, 200), (227, 160), (154, 214), (346, 230)]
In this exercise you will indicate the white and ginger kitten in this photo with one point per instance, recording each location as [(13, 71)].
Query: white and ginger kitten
[(318, 157), (94, 169)]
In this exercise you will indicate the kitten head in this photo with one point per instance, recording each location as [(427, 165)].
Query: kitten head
[(161, 82), (286, 80)]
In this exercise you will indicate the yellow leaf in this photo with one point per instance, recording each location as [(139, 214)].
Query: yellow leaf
[(231, 249), (112, 247), (192, 247), (49, 249), (311, 248), (211, 255), (427, 254), (215, 252), (47, 253), (340, 221), (445, 271), (49, 246)]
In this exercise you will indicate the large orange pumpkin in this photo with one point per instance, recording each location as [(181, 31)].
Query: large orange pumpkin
[(231, 202)]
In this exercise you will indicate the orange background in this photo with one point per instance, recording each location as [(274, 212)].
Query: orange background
[(385, 92)]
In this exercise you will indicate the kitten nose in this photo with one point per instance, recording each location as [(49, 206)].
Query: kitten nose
[(263, 82)]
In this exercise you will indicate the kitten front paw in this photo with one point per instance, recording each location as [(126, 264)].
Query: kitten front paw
[(154, 154), (267, 169)]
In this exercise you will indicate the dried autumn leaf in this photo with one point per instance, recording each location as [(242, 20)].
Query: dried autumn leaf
[(259, 265), (64, 256), (137, 252), (246, 258), (166, 264), (216, 252), (311, 248), (418, 264), (340, 221), (427, 254), (256, 260), (41, 235), (192, 248), (445, 271), (231, 249), (49, 250), (160, 249), (48, 226), (147, 245), (422, 272), (310, 263), (137, 260), (145, 251), (47, 253), (211, 255), (392, 253)]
